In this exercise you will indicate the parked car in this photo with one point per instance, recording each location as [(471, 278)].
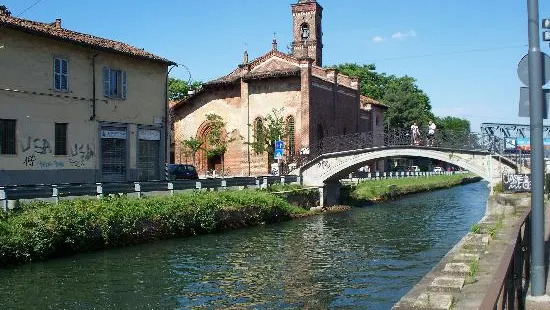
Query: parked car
[(181, 171), (414, 169), (438, 169)]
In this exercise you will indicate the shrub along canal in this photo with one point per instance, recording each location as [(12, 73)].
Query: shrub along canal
[(365, 258)]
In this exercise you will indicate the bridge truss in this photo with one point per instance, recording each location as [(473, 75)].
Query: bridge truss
[(510, 130)]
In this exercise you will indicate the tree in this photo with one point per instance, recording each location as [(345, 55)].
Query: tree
[(193, 145), (179, 89), (216, 139), (373, 84), (268, 131), (406, 104), (453, 124)]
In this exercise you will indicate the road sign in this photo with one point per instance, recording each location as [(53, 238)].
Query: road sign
[(278, 154), (279, 144), (523, 69), (524, 102), (279, 149)]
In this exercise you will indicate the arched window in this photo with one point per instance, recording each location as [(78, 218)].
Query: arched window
[(258, 130), (320, 135), (291, 131), (304, 31)]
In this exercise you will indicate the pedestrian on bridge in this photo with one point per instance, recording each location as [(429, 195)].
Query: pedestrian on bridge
[(431, 134), (415, 134)]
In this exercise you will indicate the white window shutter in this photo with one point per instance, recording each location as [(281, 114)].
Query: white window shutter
[(106, 82), (56, 65), (124, 85)]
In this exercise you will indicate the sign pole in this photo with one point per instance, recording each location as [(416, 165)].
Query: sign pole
[(538, 277)]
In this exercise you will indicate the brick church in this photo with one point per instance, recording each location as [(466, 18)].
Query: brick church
[(316, 102)]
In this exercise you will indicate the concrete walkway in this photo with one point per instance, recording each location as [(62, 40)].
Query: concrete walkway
[(543, 302)]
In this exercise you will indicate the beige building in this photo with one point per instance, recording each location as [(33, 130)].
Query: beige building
[(78, 108), (316, 102)]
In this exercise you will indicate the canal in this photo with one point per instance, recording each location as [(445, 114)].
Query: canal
[(366, 258)]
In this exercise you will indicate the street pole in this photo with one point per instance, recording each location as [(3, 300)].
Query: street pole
[(536, 102)]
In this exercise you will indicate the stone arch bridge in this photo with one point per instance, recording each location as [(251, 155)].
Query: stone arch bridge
[(335, 157)]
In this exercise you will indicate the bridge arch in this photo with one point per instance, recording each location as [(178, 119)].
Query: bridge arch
[(329, 168)]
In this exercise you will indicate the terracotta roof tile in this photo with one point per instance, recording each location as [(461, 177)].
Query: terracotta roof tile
[(62, 34), (367, 100)]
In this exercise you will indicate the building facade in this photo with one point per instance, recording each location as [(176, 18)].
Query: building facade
[(78, 108), (315, 102)]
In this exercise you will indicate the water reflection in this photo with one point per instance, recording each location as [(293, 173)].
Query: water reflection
[(365, 258)]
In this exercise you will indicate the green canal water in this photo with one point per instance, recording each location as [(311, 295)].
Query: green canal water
[(363, 259)]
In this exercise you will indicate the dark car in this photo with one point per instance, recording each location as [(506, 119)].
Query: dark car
[(180, 171)]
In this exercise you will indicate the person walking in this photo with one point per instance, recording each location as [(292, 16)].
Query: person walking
[(431, 133), (415, 134)]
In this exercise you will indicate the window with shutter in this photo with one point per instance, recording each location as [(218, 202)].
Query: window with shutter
[(107, 82), (60, 74), (115, 83)]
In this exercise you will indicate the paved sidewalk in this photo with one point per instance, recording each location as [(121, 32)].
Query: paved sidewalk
[(543, 303)]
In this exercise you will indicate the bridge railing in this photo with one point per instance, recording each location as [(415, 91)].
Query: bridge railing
[(402, 137), (510, 282)]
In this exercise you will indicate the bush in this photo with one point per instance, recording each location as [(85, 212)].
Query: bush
[(498, 188), (42, 230)]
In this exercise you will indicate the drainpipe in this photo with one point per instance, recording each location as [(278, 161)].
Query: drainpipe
[(93, 88)]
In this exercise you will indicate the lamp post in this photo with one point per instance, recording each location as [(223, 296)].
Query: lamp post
[(536, 104)]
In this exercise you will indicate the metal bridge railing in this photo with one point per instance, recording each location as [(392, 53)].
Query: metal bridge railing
[(447, 139), (510, 283)]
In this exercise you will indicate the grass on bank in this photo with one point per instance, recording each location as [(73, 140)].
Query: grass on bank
[(391, 188), (41, 230)]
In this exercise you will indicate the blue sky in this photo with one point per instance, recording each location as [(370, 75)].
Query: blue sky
[(464, 53)]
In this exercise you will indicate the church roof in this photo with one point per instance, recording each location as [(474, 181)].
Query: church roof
[(54, 31), (241, 72), (272, 64)]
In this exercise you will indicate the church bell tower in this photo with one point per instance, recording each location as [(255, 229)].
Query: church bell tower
[(308, 34)]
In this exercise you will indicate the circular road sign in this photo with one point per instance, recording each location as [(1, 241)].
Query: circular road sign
[(523, 69)]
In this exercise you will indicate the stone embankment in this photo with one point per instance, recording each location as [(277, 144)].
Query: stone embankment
[(463, 276)]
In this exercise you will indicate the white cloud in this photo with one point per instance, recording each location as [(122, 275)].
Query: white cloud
[(403, 35), (378, 39)]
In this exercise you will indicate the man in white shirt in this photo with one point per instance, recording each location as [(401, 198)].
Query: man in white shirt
[(431, 133)]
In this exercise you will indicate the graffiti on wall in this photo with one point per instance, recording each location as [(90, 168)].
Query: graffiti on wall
[(34, 149), (36, 145), (80, 154)]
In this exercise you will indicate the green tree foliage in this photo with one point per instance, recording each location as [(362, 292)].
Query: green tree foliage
[(178, 89), (271, 128), (373, 84), (407, 104), (193, 145), (453, 123), (217, 140)]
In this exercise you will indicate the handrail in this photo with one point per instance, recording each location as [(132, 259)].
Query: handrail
[(506, 291)]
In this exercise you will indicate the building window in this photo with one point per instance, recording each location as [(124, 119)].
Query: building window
[(304, 30), (259, 135), (291, 131), (115, 83), (7, 136), (60, 139), (60, 74), (258, 130)]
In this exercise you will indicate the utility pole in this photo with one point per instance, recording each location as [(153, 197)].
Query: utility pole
[(536, 104)]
